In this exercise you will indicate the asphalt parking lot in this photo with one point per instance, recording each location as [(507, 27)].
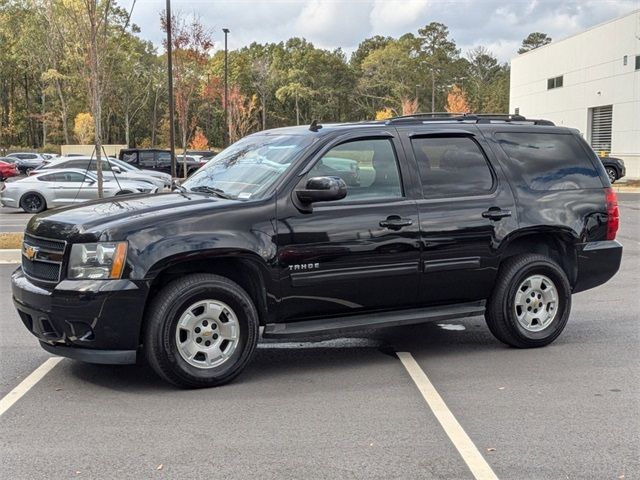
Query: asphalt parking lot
[(348, 408)]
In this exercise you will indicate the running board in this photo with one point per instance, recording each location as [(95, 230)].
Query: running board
[(340, 325)]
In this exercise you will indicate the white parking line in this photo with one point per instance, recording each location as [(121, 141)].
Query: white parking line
[(38, 374), (470, 454)]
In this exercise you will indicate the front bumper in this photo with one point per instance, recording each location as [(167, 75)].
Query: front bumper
[(96, 321), (597, 263)]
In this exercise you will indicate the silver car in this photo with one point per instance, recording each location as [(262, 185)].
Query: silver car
[(57, 188), (110, 170)]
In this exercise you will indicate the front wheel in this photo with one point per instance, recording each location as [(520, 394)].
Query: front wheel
[(530, 303), (201, 331), (612, 173)]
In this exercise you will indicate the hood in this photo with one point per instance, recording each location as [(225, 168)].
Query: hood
[(93, 220)]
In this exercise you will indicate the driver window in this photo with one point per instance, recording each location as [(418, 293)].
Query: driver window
[(368, 167)]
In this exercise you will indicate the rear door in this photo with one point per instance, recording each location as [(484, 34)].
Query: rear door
[(465, 210)]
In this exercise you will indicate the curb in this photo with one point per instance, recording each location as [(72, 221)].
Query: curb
[(10, 256)]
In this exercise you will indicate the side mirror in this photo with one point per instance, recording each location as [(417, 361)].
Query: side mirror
[(322, 189), (116, 169)]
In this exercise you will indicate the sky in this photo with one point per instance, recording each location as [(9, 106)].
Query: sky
[(499, 25)]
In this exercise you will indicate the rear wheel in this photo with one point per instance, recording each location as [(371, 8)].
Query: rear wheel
[(612, 173), (201, 331), (530, 303), (33, 202)]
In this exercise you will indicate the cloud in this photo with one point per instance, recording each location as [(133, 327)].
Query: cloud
[(498, 25)]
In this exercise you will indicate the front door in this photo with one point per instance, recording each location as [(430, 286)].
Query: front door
[(356, 254)]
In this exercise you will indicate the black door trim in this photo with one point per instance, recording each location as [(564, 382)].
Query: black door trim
[(310, 278), (440, 265)]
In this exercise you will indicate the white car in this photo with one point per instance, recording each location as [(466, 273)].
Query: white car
[(111, 168), (55, 188)]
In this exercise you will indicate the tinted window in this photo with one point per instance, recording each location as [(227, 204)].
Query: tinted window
[(164, 159), (146, 159), (451, 166), (131, 157), (368, 167), (549, 161), (82, 164)]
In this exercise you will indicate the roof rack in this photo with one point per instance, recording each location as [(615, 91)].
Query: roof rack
[(465, 117)]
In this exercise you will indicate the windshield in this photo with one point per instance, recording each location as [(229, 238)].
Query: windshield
[(250, 166)]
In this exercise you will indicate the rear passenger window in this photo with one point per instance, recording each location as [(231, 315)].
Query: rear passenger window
[(547, 161), (451, 166), (147, 160)]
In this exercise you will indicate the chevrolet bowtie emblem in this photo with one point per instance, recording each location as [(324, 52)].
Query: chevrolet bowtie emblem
[(30, 252)]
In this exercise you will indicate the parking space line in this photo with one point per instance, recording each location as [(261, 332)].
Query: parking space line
[(23, 387), (469, 452)]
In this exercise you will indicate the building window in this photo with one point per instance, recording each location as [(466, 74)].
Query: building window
[(601, 123), (624, 60), (555, 82), (637, 62), (517, 111)]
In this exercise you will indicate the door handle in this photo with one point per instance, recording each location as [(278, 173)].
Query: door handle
[(394, 222), (496, 213)]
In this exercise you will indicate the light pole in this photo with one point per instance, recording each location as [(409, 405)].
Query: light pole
[(417, 87), (172, 140), (226, 90)]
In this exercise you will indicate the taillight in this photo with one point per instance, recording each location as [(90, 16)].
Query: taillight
[(613, 213)]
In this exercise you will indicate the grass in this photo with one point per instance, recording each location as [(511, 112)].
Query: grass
[(10, 240)]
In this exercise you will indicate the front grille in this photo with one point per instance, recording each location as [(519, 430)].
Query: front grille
[(46, 263), (45, 243), (48, 272)]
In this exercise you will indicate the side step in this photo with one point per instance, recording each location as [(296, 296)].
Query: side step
[(340, 325)]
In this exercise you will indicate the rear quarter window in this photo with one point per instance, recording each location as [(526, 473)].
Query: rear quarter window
[(547, 161)]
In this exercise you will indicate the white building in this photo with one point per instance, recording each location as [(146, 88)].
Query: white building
[(589, 81)]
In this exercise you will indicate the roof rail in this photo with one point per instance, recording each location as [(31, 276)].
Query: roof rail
[(465, 117)]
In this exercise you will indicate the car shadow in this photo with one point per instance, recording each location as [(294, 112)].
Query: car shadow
[(315, 357)]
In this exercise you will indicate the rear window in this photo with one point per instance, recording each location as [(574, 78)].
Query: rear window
[(451, 166), (547, 161)]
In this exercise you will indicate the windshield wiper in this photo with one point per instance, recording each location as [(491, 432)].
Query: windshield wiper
[(183, 191), (215, 191)]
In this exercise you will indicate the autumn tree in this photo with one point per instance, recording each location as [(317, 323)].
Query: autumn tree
[(409, 106), (242, 114), (534, 40), (191, 43), (457, 101), (199, 141), (84, 128)]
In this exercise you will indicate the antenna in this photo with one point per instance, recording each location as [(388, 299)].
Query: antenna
[(315, 126)]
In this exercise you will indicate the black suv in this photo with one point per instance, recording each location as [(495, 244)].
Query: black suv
[(614, 167), (158, 160), (451, 217)]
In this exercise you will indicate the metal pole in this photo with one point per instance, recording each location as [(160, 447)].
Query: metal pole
[(172, 140), (226, 90)]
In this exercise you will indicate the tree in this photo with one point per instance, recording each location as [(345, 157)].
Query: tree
[(456, 101), (533, 41), (385, 114), (409, 106), (84, 128), (191, 43), (242, 114), (199, 141)]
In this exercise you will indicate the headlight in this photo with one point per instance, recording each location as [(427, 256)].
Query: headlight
[(104, 260)]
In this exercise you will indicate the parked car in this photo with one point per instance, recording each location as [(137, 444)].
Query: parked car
[(27, 161), (164, 177), (7, 170), (461, 216), (156, 159), (614, 167), (109, 169), (57, 188)]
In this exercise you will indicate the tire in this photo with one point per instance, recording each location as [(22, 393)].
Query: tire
[(170, 334), (612, 173), (520, 312), (33, 202)]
